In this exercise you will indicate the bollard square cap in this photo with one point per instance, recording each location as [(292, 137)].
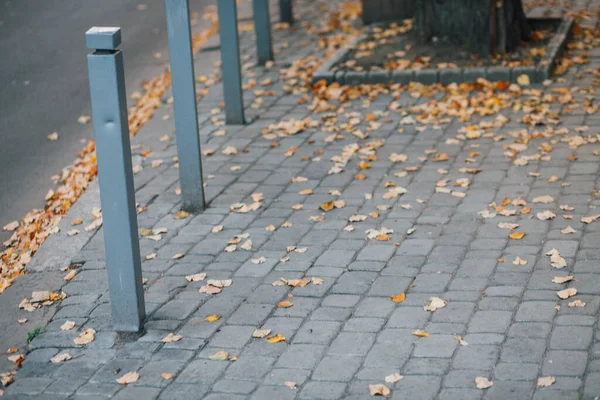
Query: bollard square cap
[(103, 38)]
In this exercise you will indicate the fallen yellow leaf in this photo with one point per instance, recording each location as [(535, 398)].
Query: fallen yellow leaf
[(398, 298), (276, 339), (212, 318)]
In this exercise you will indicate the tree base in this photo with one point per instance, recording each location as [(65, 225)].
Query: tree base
[(481, 26)]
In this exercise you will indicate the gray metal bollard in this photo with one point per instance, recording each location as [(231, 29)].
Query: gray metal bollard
[(262, 27), (230, 62), (286, 13), (184, 97), (117, 194)]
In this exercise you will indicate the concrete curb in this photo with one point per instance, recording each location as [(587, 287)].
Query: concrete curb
[(537, 73)]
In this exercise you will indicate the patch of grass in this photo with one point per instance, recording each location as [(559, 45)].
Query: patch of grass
[(33, 334)]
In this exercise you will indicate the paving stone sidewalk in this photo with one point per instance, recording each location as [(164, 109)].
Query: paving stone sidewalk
[(346, 333)]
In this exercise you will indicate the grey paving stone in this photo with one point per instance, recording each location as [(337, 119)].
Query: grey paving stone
[(482, 357), (201, 372), (519, 371), (534, 311), (317, 332), (29, 386), (323, 390), (301, 356), (373, 325), (374, 307), (98, 389), (250, 314), (278, 376), (134, 393), (234, 336), (437, 346), (460, 394), (569, 363), (415, 386), (408, 317), (337, 368), (273, 392), (510, 389), (234, 386), (427, 366), (523, 350), (490, 322), (386, 356), (571, 338)]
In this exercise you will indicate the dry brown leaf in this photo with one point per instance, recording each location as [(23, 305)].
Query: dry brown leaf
[(196, 277), (393, 378), (129, 377), (181, 215), (577, 303), (11, 226), (398, 298), (85, 337), (53, 136), (519, 261), (435, 303), (296, 282), (67, 326), (219, 356), (217, 229), (60, 357), (507, 225), (260, 260), (420, 333), (171, 338), (285, 304), (461, 341), (566, 293), (543, 199), (327, 206), (523, 80), (557, 261), (546, 215), (590, 219), (247, 245), (166, 376), (178, 256), (305, 192), (77, 221), (290, 385), (17, 359), (546, 381), (562, 279), (270, 228), (483, 382), (261, 333), (316, 281), (441, 157), (70, 275), (379, 390), (568, 230)]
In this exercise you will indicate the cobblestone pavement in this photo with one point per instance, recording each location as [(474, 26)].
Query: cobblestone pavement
[(345, 333)]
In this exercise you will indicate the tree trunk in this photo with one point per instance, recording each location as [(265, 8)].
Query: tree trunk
[(387, 10), (481, 26)]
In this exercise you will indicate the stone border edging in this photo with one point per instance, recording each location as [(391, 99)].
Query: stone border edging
[(537, 73)]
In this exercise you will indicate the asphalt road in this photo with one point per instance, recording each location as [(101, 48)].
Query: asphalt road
[(44, 86)]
